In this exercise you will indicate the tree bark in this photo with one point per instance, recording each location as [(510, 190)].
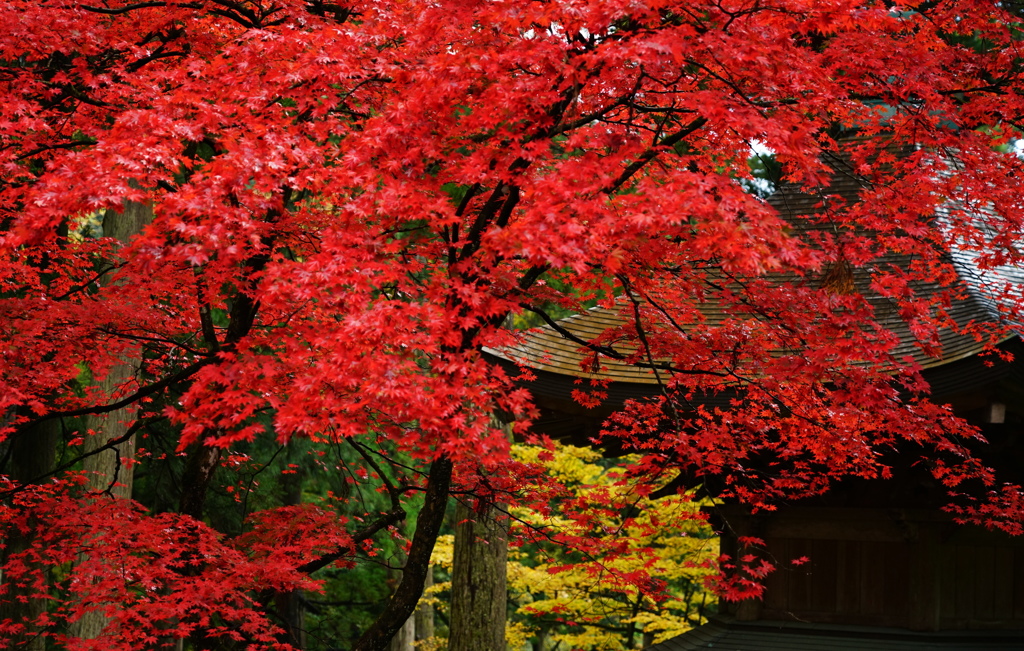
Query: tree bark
[(479, 580), (292, 612), (405, 639), (425, 612), (195, 481), (291, 606), (428, 524), (479, 594), (108, 470), (32, 456)]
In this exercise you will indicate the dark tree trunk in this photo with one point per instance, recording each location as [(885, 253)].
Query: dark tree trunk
[(291, 609), (428, 524), (195, 481), (291, 606), (32, 457)]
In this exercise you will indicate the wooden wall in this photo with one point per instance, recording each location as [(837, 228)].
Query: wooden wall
[(884, 568)]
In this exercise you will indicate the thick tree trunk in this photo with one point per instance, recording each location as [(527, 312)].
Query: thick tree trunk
[(32, 456), (479, 583), (290, 606), (106, 468), (33, 451), (195, 481), (111, 470), (479, 593), (292, 612)]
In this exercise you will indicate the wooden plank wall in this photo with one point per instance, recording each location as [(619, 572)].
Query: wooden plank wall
[(951, 585)]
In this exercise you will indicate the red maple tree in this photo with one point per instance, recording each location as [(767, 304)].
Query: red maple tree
[(348, 201)]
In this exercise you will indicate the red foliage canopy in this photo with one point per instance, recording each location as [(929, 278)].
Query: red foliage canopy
[(349, 201)]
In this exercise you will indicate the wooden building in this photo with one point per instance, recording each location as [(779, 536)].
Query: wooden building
[(888, 569)]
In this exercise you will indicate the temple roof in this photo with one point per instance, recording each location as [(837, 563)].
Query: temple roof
[(544, 349)]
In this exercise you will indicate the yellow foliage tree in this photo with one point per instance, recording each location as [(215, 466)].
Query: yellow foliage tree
[(566, 598)]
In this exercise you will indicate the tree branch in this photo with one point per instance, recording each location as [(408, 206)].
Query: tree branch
[(109, 445), (608, 351), (407, 594), (393, 491), (122, 10), (386, 520), (183, 374), (650, 154)]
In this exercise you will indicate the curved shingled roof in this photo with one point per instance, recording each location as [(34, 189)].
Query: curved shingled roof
[(544, 349)]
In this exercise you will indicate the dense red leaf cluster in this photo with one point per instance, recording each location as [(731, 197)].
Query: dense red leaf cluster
[(350, 200), (156, 577)]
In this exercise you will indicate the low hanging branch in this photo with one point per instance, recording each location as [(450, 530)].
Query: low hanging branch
[(428, 524)]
